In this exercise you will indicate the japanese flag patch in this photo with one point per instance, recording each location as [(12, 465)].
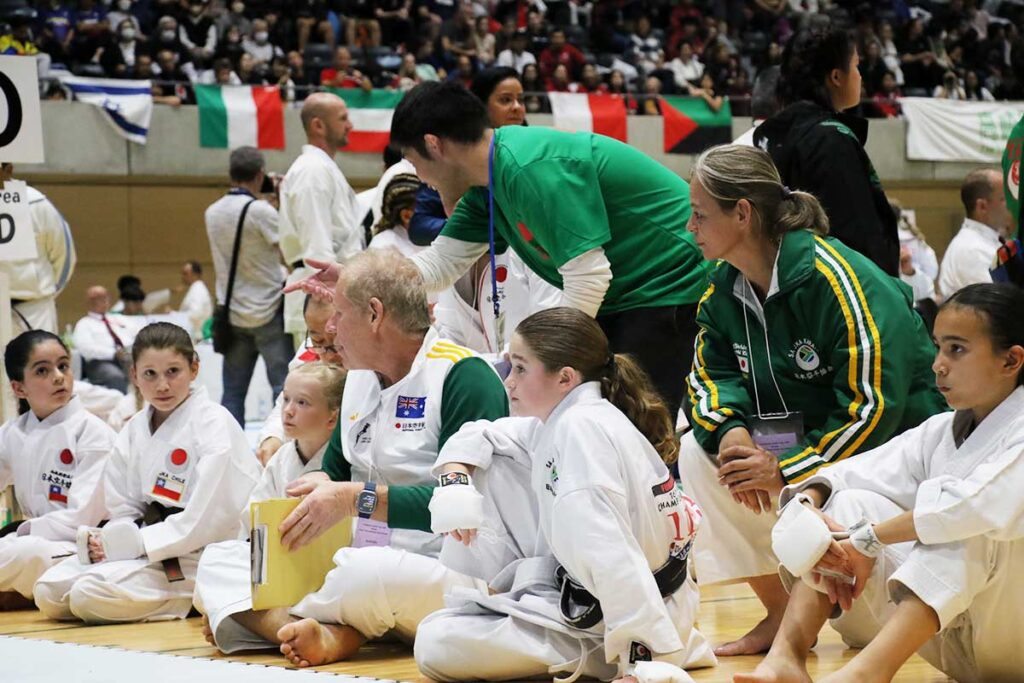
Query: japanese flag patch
[(66, 458), (177, 461)]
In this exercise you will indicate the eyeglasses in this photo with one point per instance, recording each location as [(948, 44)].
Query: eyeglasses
[(310, 345)]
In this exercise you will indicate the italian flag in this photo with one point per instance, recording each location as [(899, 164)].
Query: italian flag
[(596, 113), (235, 115), (370, 112)]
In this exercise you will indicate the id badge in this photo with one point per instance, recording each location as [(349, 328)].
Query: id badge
[(777, 432), (371, 534)]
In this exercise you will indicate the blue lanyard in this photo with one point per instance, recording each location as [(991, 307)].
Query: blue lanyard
[(490, 235)]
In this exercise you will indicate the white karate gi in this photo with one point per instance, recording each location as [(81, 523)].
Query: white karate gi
[(969, 515), (472, 324), (198, 461), (609, 522), (223, 580), (198, 306), (395, 238), (56, 466)]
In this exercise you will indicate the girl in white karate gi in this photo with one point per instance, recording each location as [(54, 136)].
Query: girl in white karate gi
[(935, 520), (612, 589), (311, 401), (183, 467), (53, 453)]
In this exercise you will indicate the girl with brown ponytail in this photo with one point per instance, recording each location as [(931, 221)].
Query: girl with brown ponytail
[(607, 593)]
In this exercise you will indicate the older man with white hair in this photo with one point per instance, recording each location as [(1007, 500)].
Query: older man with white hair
[(406, 393)]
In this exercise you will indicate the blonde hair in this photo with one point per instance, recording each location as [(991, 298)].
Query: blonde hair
[(730, 173), (386, 275), (567, 337), (330, 378)]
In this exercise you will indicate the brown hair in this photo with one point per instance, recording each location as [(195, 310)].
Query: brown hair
[(567, 337), (164, 336), (330, 378), (730, 173)]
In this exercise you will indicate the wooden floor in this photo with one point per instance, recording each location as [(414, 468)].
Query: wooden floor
[(725, 614)]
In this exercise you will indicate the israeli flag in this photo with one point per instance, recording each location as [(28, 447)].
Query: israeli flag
[(128, 104)]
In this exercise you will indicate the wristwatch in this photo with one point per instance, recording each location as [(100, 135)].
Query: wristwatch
[(449, 478), (366, 502)]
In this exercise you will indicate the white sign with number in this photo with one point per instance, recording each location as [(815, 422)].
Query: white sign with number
[(21, 126), (17, 238)]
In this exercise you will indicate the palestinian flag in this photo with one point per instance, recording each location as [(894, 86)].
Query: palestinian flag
[(595, 113), (370, 113), (1012, 156), (691, 126), (235, 115)]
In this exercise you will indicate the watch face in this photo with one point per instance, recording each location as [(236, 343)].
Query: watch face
[(366, 503)]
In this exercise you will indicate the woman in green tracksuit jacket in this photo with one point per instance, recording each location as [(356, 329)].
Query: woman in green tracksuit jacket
[(807, 354)]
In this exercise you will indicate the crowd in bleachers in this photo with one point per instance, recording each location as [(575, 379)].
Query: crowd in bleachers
[(956, 49)]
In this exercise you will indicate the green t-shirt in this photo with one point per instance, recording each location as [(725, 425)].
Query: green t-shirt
[(471, 391), (558, 195)]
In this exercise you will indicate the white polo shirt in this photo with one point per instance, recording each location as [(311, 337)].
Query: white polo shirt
[(968, 258)]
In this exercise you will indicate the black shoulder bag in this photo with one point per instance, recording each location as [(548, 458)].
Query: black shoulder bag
[(221, 327)]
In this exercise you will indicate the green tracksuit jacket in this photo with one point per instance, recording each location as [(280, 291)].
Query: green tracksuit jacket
[(844, 344)]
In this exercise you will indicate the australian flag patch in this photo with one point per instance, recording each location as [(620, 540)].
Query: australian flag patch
[(411, 407)]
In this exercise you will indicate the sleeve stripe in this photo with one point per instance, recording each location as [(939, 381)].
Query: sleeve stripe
[(701, 407), (441, 346)]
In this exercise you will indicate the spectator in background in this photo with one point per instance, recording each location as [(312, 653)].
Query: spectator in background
[(310, 20), (19, 43), (645, 44), (234, 17), (974, 91), (764, 102), (872, 67), (221, 73), (395, 18), (483, 41), (92, 29), (819, 149), (104, 342), (887, 99), (532, 83), (918, 266), (121, 53), (249, 73), (560, 81), (590, 80), (343, 73), (686, 68), (197, 33), (987, 223), (463, 71), (256, 309), (648, 101), (57, 30), (166, 38), (516, 56), (122, 10), (617, 84), (281, 76), (950, 89), (229, 46), (560, 52), (297, 68), (259, 46), (196, 304), (918, 59), (890, 55), (361, 27), (168, 70), (172, 94), (707, 91), (456, 38)]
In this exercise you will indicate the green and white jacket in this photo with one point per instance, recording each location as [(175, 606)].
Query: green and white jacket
[(842, 343)]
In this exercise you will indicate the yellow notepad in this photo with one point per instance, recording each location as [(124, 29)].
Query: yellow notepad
[(280, 578)]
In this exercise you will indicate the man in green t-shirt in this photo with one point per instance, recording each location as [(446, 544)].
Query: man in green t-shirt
[(590, 215)]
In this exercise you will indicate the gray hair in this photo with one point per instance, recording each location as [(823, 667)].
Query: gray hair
[(386, 275), (245, 164), (730, 173)]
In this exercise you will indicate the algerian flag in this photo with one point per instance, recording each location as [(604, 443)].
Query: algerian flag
[(370, 112), (235, 115)]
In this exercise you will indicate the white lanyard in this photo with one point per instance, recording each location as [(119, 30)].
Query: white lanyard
[(767, 349)]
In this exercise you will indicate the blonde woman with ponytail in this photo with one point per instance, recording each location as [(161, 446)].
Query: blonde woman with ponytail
[(604, 589), (807, 354)]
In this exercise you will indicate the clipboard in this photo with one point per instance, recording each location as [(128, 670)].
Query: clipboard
[(281, 578)]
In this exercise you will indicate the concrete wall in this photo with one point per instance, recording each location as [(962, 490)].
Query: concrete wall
[(139, 209)]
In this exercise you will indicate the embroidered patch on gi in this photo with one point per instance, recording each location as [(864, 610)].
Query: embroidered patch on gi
[(638, 652), (805, 355), (57, 494), (177, 460), (362, 439), (67, 458), (168, 488), (411, 407)]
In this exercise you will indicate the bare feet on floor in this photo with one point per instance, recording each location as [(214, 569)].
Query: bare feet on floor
[(775, 670), (757, 641), (310, 643), (208, 631)]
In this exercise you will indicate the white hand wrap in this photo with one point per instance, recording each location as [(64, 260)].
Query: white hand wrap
[(864, 540), (82, 543), (800, 538), (122, 540), (660, 672), (457, 506)]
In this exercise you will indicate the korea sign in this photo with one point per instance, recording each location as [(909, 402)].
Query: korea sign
[(21, 128), (17, 239)]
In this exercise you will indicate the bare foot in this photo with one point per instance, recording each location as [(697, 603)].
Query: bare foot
[(208, 631), (758, 640), (11, 601), (309, 643), (775, 670)]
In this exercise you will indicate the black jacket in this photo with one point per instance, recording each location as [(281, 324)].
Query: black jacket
[(822, 152)]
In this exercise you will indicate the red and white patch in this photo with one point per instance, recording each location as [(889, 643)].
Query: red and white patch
[(66, 457), (501, 274), (1014, 183), (177, 460)]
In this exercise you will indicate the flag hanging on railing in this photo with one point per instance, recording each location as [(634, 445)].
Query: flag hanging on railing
[(595, 113), (235, 115), (691, 125), (370, 112), (128, 105)]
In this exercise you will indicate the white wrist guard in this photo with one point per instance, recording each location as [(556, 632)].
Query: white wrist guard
[(456, 506), (122, 540), (864, 539), (659, 672), (82, 543), (800, 538)]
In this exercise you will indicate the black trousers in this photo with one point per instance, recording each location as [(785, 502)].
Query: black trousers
[(661, 341)]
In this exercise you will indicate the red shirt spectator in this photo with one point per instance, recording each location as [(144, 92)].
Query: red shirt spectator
[(560, 52), (343, 74)]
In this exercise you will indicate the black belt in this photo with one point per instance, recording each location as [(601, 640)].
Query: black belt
[(154, 514), (669, 577), (298, 264)]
